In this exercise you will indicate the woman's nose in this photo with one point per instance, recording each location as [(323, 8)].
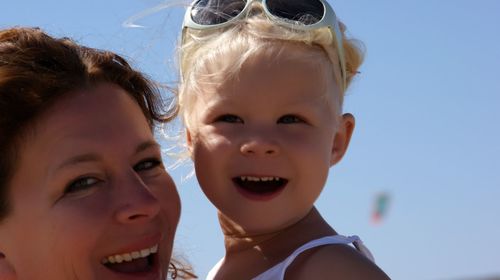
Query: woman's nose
[(137, 203)]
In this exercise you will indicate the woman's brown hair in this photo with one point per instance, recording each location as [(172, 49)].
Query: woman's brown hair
[(37, 69)]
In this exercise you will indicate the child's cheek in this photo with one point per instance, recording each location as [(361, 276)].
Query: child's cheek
[(210, 141)]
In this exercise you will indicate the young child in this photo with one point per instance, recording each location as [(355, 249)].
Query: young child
[(262, 85)]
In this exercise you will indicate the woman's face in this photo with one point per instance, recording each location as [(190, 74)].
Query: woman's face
[(90, 196)]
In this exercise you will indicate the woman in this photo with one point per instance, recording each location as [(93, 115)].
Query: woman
[(83, 191)]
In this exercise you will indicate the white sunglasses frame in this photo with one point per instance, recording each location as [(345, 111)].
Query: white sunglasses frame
[(328, 20)]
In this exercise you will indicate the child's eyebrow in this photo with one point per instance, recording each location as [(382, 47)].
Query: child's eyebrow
[(212, 104)]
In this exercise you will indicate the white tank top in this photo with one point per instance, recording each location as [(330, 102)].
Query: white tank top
[(277, 272)]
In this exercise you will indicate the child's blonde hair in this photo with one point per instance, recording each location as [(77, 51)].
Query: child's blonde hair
[(203, 53)]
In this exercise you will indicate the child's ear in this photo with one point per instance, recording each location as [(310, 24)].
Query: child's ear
[(6, 270), (342, 138)]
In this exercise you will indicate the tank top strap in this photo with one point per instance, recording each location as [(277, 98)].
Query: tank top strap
[(211, 274), (277, 272), (334, 239)]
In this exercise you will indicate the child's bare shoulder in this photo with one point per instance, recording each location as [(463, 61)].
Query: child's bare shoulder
[(334, 262)]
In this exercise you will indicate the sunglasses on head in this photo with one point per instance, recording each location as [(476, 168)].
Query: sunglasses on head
[(295, 14)]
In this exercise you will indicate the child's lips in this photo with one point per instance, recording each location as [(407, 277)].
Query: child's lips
[(260, 187)]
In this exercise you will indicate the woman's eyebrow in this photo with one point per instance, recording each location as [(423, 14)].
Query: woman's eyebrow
[(79, 159), (94, 157), (146, 145)]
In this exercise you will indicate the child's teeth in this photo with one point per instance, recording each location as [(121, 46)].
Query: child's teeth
[(127, 257), (258, 179), (144, 253), (119, 258), (154, 249)]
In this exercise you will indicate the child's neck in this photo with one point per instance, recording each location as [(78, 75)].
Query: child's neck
[(274, 244)]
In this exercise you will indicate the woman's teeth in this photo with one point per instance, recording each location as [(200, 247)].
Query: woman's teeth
[(259, 179), (127, 257)]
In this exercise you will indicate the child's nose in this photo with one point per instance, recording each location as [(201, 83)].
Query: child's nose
[(137, 204), (260, 147)]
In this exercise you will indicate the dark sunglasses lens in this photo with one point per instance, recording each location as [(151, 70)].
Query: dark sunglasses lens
[(211, 12), (305, 11)]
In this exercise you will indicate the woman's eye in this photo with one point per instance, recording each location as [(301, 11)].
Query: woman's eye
[(80, 184), (229, 119), (147, 164), (287, 119)]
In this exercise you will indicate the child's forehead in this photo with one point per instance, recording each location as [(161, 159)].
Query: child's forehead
[(293, 80), (272, 57), (275, 59), (266, 64), (276, 53), (263, 65)]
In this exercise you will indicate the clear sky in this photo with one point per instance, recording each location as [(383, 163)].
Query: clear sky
[(428, 126)]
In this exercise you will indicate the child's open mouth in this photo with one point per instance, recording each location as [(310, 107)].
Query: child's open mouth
[(260, 188), (137, 262)]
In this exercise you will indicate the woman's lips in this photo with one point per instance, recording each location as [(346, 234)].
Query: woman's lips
[(139, 257), (131, 256), (147, 267)]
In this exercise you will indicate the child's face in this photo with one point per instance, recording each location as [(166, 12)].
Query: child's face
[(263, 142)]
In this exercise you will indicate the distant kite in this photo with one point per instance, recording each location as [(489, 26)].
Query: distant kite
[(380, 207)]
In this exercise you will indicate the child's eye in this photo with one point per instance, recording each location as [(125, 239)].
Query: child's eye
[(147, 164), (80, 185), (229, 118), (287, 119)]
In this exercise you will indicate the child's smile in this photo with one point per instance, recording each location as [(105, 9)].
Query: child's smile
[(260, 187)]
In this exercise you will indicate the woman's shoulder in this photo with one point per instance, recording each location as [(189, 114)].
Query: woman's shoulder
[(334, 261)]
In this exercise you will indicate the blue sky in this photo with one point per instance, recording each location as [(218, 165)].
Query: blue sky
[(426, 104)]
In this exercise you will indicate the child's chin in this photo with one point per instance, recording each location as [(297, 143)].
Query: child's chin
[(259, 224)]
